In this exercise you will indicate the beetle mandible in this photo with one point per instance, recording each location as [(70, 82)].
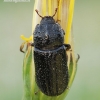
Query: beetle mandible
[(50, 58)]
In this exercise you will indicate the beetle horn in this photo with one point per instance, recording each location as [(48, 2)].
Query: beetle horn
[(55, 12), (38, 13)]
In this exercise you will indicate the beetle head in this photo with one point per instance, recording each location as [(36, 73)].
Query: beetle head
[(47, 20)]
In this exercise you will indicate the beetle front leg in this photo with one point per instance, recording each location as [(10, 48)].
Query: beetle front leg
[(32, 44), (37, 92), (22, 46), (68, 46)]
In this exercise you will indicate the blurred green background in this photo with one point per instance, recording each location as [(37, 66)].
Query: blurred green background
[(16, 19)]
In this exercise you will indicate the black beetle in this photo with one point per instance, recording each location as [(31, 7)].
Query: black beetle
[(51, 70)]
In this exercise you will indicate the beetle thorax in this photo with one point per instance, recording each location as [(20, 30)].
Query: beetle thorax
[(48, 35)]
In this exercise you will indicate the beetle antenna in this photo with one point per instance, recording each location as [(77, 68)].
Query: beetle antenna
[(38, 13), (55, 12)]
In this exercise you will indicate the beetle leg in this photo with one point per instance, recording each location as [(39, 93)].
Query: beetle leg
[(32, 44), (78, 57), (37, 92), (22, 46), (68, 87), (67, 46), (58, 20)]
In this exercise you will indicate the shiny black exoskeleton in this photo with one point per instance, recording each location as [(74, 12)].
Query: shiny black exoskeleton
[(51, 71)]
